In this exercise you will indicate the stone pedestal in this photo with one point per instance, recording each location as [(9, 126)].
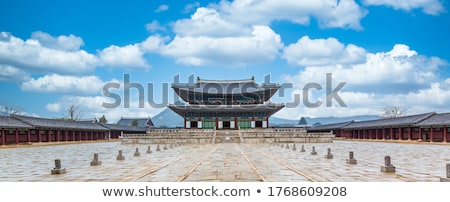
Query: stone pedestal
[(287, 146), (350, 159), (95, 161), (294, 148), (57, 169), (120, 157), (136, 153), (448, 174), (313, 152), (157, 148), (329, 155), (387, 167), (165, 147), (149, 150), (303, 148), (282, 145)]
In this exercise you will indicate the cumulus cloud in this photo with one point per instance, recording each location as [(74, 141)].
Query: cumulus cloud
[(431, 7), (343, 13), (91, 106), (162, 8), (12, 74), (314, 52), (154, 26), (65, 43), (130, 56), (261, 45), (53, 107), (399, 77), (50, 57), (56, 83)]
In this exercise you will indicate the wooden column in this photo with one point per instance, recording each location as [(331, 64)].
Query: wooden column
[(66, 135), (17, 136), (39, 139), (445, 133), (28, 135), (58, 134), (400, 133), (392, 133), (49, 137), (420, 133), (73, 135), (410, 133), (2, 141), (431, 133)]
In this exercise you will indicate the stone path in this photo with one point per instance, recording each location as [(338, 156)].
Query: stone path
[(226, 162)]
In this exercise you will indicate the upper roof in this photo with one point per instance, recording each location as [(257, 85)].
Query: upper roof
[(436, 119), (397, 121), (332, 126), (226, 87), (10, 122), (141, 122), (56, 123)]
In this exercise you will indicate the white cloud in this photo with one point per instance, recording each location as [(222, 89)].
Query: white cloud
[(209, 22), (91, 106), (56, 83), (12, 74), (130, 56), (374, 84), (190, 7), (432, 7), (314, 52), (343, 13), (260, 46), (34, 56), (400, 65), (65, 43), (162, 8), (154, 26), (53, 107)]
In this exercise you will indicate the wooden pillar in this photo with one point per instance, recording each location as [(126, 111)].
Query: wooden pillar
[(392, 133), (400, 133), (73, 135), (2, 141), (445, 133), (39, 138), (431, 133), (17, 136), (66, 135), (410, 133), (28, 135), (58, 134), (420, 133), (49, 137)]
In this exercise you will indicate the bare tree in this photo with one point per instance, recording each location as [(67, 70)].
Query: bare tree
[(8, 110), (73, 112), (392, 112)]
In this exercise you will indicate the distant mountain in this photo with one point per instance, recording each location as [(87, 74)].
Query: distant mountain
[(168, 118)]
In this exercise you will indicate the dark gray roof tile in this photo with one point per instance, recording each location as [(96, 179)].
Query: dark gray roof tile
[(436, 119), (387, 122), (56, 123), (9, 122)]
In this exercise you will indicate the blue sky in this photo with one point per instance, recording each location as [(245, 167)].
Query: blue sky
[(389, 53)]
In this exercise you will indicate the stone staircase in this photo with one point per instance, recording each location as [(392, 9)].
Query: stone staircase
[(227, 136)]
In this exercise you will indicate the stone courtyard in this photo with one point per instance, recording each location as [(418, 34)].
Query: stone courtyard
[(226, 162)]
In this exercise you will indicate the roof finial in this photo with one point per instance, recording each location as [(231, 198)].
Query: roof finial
[(253, 78), (198, 79)]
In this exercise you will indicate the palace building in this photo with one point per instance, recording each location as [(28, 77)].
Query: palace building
[(226, 104)]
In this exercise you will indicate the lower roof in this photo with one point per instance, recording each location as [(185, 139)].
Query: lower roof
[(270, 108)]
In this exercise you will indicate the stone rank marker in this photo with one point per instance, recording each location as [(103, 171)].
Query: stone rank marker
[(149, 150), (120, 157), (165, 147), (294, 148), (448, 174), (58, 170), (287, 146), (303, 148), (329, 155), (387, 167), (95, 161), (136, 153), (157, 148), (351, 159), (313, 152)]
